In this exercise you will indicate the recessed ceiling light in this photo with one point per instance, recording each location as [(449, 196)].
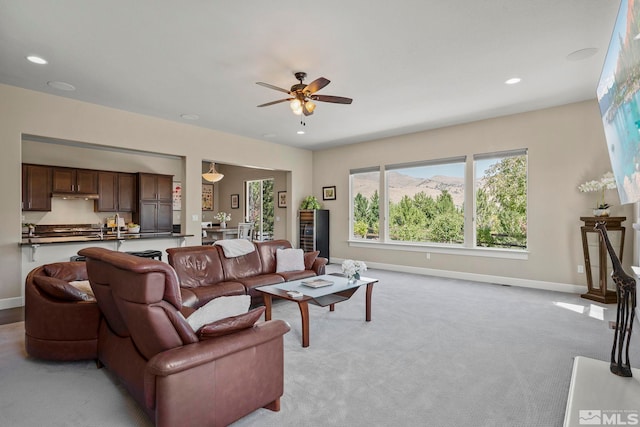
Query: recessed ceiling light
[(190, 116), (300, 132), (581, 54), (62, 86), (37, 60), (513, 81)]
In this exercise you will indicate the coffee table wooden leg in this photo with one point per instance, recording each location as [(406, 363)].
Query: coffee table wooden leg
[(267, 305), (304, 313), (368, 301), (332, 307)]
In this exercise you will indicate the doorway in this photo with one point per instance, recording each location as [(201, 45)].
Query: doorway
[(259, 207)]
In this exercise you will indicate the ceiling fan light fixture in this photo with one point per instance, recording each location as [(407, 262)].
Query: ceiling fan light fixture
[(295, 105), (310, 106), (212, 175)]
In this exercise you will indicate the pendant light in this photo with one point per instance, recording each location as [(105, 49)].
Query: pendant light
[(212, 175)]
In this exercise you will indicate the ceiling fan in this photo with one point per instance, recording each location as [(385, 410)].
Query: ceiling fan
[(302, 96)]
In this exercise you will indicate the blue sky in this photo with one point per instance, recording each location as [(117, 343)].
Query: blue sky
[(456, 169)]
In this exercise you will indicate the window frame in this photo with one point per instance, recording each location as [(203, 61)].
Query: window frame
[(469, 247)]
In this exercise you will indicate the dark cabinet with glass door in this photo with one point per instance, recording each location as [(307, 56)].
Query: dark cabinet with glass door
[(314, 231)]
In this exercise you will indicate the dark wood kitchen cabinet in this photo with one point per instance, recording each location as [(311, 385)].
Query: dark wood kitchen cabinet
[(36, 188), (155, 203), (116, 191), (76, 181)]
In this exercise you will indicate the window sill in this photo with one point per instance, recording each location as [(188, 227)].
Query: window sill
[(442, 249)]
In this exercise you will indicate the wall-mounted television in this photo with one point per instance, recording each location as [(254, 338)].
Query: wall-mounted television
[(619, 100)]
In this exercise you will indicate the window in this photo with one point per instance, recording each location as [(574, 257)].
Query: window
[(365, 204), (259, 207), (425, 201), (430, 202), (501, 199)]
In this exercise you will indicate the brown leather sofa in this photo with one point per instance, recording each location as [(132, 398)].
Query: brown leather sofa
[(206, 273), (177, 378), (60, 323)]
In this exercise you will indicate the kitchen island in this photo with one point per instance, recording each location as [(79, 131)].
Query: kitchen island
[(37, 251)]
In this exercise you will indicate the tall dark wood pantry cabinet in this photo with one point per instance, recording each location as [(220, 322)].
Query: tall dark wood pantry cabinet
[(155, 203)]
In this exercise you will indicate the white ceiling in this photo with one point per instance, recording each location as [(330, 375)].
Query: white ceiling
[(409, 65)]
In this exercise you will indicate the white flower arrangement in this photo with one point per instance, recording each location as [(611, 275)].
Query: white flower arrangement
[(607, 182), (222, 216), (351, 267)]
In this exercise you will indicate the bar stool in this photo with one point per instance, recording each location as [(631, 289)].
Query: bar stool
[(148, 254)]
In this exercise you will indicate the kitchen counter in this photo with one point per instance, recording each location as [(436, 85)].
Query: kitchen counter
[(30, 241)]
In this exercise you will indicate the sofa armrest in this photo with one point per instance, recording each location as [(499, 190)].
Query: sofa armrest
[(182, 358), (319, 265)]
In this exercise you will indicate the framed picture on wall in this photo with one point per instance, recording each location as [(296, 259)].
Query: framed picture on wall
[(207, 197), (282, 199), (235, 201), (329, 193)]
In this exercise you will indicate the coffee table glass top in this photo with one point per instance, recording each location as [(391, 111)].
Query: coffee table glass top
[(340, 283)]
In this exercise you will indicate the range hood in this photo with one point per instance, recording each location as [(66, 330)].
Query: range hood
[(75, 196)]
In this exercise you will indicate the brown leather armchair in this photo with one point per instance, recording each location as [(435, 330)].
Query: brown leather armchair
[(176, 378), (59, 328)]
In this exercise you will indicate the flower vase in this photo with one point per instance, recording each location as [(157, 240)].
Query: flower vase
[(354, 278), (601, 212), (223, 224)]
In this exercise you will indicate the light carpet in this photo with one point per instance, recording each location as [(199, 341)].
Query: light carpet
[(438, 352)]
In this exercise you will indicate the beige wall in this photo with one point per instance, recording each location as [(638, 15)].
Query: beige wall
[(34, 113), (566, 148)]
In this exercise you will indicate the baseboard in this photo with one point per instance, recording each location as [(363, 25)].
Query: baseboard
[(485, 278), (11, 303)]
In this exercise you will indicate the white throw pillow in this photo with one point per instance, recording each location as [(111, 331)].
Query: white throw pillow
[(84, 286), (289, 260), (217, 309)]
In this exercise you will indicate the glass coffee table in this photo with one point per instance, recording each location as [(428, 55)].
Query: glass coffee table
[(340, 289)]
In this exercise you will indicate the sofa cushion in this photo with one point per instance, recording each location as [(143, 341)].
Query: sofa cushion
[(60, 289), (231, 324), (289, 260), (309, 259), (217, 309), (67, 271), (204, 294), (196, 266), (239, 267)]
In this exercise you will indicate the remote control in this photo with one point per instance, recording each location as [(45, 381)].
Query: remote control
[(294, 294)]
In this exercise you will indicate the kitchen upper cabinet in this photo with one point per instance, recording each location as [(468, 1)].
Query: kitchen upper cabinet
[(36, 188), (155, 203), (155, 187), (79, 181), (116, 191)]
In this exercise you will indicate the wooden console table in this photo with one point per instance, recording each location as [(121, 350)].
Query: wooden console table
[(600, 292)]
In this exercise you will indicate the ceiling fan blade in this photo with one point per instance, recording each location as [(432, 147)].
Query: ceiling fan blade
[(316, 85), (272, 87), (275, 102), (334, 99)]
